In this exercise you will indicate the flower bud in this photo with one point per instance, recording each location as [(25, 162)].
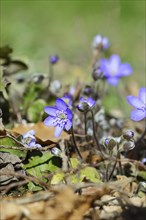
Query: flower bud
[(56, 151), (54, 59), (128, 135), (128, 145), (110, 143)]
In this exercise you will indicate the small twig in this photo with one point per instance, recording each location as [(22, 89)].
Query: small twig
[(29, 178), (12, 185), (63, 155)]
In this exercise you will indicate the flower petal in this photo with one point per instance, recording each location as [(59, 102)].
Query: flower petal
[(137, 115), (114, 63), (134, 101), (60, 104), (91, 102), (58, 131), (142, 95), (50, 121), (125, 69), (113, 81), (105, 67), (68, 125), (50, 110), (69, 114)]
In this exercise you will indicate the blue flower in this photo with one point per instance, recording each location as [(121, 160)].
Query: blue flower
[(54, 59), (86, 104), (100, 42), (140, 104), (29, 139), (113, 69), (67, 98), (60, 116)]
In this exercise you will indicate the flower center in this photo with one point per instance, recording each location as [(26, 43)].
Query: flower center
[(62, 116)]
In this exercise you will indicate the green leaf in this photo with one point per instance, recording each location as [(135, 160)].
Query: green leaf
[(90, 173), (6, 141), (35, 110), (142, 174), (40, 164), (74, 162), (57, 178), (33, 187)]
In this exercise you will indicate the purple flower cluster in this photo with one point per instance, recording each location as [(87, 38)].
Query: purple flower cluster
[(139, 103), (60, 116), (113, 69), (29, 140)]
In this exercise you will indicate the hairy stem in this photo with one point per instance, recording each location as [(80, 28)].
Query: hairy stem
[(75, 145), (94, 133)]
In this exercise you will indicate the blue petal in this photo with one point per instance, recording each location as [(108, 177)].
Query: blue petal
[(113, 81), (114, 64), (134, 101), (58, 131), (138, 115), (91, 102), (69, 114), (60, 104), (125, 69), (142, 95), (50, 121), (50, 110), (68, 125)]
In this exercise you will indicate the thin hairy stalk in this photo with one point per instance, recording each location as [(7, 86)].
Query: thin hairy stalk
[(50, 78), (75, 145), (94, 133), (142, 136)]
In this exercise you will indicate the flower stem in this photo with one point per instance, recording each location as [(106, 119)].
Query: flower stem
[(96, 140), (50, 78), (119, 162), (75, 145), (142, 136)]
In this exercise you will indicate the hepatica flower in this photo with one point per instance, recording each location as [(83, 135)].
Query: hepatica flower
[(29, 139), (113, 69), (86, 104), (60, 116), (67, 98), (100, 42), (139, 103)]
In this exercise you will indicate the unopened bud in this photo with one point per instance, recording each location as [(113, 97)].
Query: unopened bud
[(128, 135), (56, 151), (110, 143), (128, 145)]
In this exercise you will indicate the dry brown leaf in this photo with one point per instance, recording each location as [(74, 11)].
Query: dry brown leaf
[(43, 133)]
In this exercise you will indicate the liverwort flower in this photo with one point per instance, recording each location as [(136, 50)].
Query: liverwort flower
[(60, 116), (29, 140), (100, 42), (54, 59), (86, 104), (67, 98), (113, 69), (139, 103)]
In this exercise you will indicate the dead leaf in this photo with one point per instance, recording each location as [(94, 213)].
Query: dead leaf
[(43, 133)]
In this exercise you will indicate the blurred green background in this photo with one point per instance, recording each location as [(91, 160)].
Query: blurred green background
[(38, 28)]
